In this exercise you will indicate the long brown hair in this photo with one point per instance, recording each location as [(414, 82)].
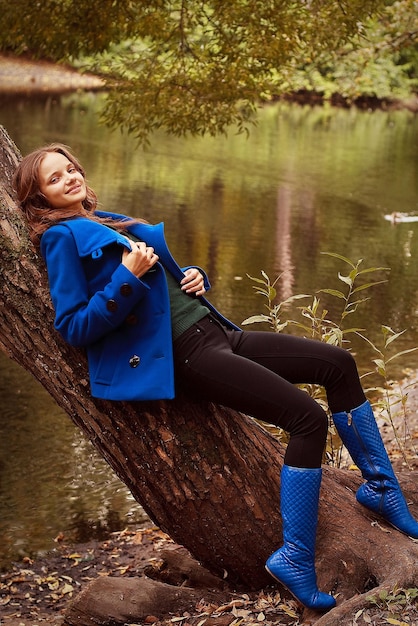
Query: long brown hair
[(39, 213)]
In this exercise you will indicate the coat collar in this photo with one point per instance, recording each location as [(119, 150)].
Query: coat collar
[(91, 236)]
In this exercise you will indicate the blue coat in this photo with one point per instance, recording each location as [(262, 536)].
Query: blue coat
[(124, 322)]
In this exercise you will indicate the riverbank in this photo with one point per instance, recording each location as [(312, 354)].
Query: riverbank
[(20, 76)]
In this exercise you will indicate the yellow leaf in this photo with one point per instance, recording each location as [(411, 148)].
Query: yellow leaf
[(54, 585), (287, 610), (70, 580)]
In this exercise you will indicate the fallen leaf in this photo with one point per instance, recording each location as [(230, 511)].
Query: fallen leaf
[(53, 585), (288, 610), (243, 613), (231, 605), (64, 577)]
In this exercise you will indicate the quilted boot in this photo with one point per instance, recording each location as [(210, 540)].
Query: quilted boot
[(293, 565), (381, 493)]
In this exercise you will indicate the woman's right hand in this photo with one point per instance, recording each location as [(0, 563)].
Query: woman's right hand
[(139, 259)]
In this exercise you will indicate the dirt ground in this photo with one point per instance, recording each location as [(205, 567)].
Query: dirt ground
[(36, 593)]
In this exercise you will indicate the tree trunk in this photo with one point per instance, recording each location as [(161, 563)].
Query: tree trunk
[(206, 475)]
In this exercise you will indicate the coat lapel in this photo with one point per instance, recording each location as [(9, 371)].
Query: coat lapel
[(91, 236), (153, 235)]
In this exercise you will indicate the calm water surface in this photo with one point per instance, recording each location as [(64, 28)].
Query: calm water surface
[(307, 181)]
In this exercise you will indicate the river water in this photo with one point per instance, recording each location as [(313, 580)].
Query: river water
[(308, 180)]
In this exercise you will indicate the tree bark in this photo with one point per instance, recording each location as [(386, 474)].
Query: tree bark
[(207, 476)]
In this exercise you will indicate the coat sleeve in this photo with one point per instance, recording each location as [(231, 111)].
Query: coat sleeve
[(80, 317)]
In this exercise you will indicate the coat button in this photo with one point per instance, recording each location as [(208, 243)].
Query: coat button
[(134, 360), (111, 305), (126, 289), (131, 320)]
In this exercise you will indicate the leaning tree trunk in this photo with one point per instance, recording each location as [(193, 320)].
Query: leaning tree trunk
[(207, 476)]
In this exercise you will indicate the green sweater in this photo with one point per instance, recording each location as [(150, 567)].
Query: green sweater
[(185, 309)]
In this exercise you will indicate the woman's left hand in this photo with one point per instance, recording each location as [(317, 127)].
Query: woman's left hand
[(193, 282)]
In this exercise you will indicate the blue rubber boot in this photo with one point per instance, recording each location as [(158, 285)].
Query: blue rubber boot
[(381, 493), (293, 565)]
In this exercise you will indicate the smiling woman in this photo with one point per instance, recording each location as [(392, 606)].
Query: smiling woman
[(62, 184), (51, 186)]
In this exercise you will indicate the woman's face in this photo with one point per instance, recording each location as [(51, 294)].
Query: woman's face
[(61, 183)]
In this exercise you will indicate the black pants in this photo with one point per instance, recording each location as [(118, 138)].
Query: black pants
[(256, 372)]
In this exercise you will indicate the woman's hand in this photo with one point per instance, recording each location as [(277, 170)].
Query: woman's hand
[(140, 259), (193, 282)]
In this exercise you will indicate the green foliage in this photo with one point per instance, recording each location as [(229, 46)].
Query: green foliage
[(193, 67), (392, 397), (185, 66), (266, 288), (382, 62), (253, 33), (61, 29), (214, 62), (394, 600), (317, 324)]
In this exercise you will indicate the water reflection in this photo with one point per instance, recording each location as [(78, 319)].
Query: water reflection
[(308, 180), (52, 481)]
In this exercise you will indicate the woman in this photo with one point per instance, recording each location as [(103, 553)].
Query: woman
[(147, 327)]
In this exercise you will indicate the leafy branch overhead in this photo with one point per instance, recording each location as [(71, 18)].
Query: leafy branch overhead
[(188, 66)]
